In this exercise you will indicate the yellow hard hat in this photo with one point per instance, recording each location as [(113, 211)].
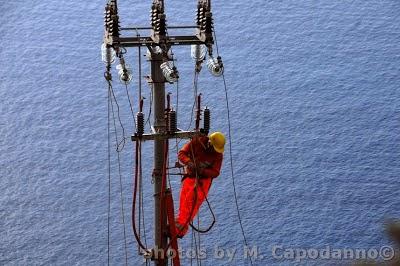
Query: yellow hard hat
[(217, 140)]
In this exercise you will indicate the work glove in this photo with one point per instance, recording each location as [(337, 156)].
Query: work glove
[(201, 167), (190, 168)]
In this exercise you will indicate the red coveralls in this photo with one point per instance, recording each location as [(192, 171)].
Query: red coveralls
[(210, 163)]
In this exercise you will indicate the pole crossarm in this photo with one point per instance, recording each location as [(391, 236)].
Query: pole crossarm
[(145, 41), (133, 28), (148, 40), (164, 136)]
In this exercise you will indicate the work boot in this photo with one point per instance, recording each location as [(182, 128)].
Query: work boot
[(180, 230)]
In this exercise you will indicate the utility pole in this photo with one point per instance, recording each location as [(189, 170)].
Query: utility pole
[(159, 44), (159, 127)]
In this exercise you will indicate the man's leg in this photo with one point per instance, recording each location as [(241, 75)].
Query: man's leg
[(190, 202), (185, 203)]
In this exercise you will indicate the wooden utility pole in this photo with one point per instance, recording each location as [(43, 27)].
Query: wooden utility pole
[(159, 43)]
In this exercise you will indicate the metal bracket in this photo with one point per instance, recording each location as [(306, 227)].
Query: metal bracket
[(163, 136)]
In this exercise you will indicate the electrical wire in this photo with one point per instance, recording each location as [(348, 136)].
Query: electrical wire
[(135, 187), (198, 236), (120, 181), (148, 120), (195, 90), (142, 199), (110, 97), (230, 152), (141, 219), (109, 176), (123, 141), (131, 107)]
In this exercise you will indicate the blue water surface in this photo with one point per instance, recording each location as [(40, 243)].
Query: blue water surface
[(314, 104)]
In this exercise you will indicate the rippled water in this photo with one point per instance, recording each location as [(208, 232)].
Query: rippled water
[(314, 89)]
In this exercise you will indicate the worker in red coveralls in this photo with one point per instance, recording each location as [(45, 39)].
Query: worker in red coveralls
[(202, 158)]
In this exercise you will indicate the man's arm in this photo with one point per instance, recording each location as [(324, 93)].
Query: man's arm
[(214, 170), (184, 153)]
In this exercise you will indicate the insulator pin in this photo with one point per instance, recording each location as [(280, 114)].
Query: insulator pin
[(171, 74), (198, 52), (215, 66), (124, 73), (206, 120), (172, 122), (140, 123), (107, 54)]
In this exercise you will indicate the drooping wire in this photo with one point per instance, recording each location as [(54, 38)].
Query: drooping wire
[(142, 197), (120, 176), (141, 220), (120, 144), (141, 217), (140, 204), (141, 201), (230, 152), (138, 181), (109, 176), (203, 231), (135, 187)]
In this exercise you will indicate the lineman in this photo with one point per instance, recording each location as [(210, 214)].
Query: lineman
[(202, 158)]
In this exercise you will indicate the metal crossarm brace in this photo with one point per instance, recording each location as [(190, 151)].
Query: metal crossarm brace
[(163, 136)]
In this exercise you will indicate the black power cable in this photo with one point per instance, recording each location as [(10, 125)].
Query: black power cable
[(230, 152)]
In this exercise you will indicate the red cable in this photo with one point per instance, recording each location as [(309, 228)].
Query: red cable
[(134, 197)]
